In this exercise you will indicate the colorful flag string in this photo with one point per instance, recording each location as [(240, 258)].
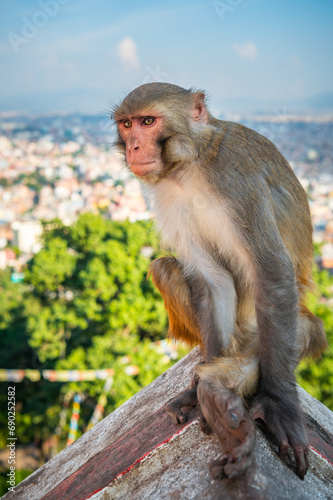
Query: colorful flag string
[(163, 346), (55, 375), (101, 404), (62, 422), (74, 420)]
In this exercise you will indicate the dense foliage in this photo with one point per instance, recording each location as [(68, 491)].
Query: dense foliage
[(317, 376), (85, 303)]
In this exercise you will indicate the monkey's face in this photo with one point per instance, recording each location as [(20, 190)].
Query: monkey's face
[(159, 127), (142, 135)]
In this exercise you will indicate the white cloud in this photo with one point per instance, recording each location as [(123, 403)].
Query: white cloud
[(128, 54), (247, 50)]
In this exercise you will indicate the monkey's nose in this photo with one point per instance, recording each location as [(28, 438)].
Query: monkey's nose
[(131, 149)]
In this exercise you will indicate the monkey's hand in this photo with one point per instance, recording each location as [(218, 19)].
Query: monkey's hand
[(224, 413), (283, 420)]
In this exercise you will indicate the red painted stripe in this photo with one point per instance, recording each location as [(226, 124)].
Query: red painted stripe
[(322, 456), (319, 438)]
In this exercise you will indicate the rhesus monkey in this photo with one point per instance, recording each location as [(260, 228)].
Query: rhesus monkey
[(229, 205)]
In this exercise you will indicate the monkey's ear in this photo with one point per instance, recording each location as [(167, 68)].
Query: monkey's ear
[(199, 110)]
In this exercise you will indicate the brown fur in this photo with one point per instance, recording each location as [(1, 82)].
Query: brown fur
[(312, 334), (167, 276)]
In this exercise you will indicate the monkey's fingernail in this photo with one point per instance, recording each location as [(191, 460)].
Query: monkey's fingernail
[(234, 419)]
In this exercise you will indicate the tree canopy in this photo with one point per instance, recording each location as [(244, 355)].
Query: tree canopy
[(317, 376), (85, 303)]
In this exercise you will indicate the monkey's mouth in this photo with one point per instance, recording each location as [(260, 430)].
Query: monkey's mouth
[(142, 169)]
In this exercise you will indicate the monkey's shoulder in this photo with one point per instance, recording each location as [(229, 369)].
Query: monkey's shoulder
[(243, 139), (246, 157)]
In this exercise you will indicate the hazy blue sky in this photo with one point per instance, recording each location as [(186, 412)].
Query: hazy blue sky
[(84, 53)]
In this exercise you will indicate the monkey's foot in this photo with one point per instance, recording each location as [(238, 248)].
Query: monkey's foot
[(283, 421), (224, 412), (186, 398)]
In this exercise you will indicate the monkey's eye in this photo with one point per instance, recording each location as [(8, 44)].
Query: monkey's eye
[(149, 120), (127, 123)]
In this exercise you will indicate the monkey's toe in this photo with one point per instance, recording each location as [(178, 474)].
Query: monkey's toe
[(284, 427), (174, 407)]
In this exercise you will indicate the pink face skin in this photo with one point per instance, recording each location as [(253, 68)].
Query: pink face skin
[(141, 134)]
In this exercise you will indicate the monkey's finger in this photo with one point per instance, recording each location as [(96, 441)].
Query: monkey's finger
[(284, 452), (246, 448), (237, 469), (204, 426), (235, 412), (302, 460), (216, 467)]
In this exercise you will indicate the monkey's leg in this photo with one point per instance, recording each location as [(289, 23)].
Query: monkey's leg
[(168, 277)]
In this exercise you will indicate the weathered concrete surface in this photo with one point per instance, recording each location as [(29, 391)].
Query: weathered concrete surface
[(138, 453)]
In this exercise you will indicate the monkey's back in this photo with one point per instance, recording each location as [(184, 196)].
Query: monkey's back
[(258, 179)]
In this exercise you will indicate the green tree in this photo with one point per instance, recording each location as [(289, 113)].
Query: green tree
[(317, 376), (85, 304), (14, 339)]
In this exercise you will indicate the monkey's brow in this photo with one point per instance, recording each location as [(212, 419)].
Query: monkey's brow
[(138, 117)]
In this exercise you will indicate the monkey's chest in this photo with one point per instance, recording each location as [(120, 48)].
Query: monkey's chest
[(194, 224)]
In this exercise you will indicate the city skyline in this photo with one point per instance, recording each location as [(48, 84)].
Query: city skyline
[(62, 55)]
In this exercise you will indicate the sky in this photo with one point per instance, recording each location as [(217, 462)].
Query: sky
[(81, 55)]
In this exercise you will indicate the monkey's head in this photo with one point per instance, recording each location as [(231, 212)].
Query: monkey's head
[(158, 125)]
